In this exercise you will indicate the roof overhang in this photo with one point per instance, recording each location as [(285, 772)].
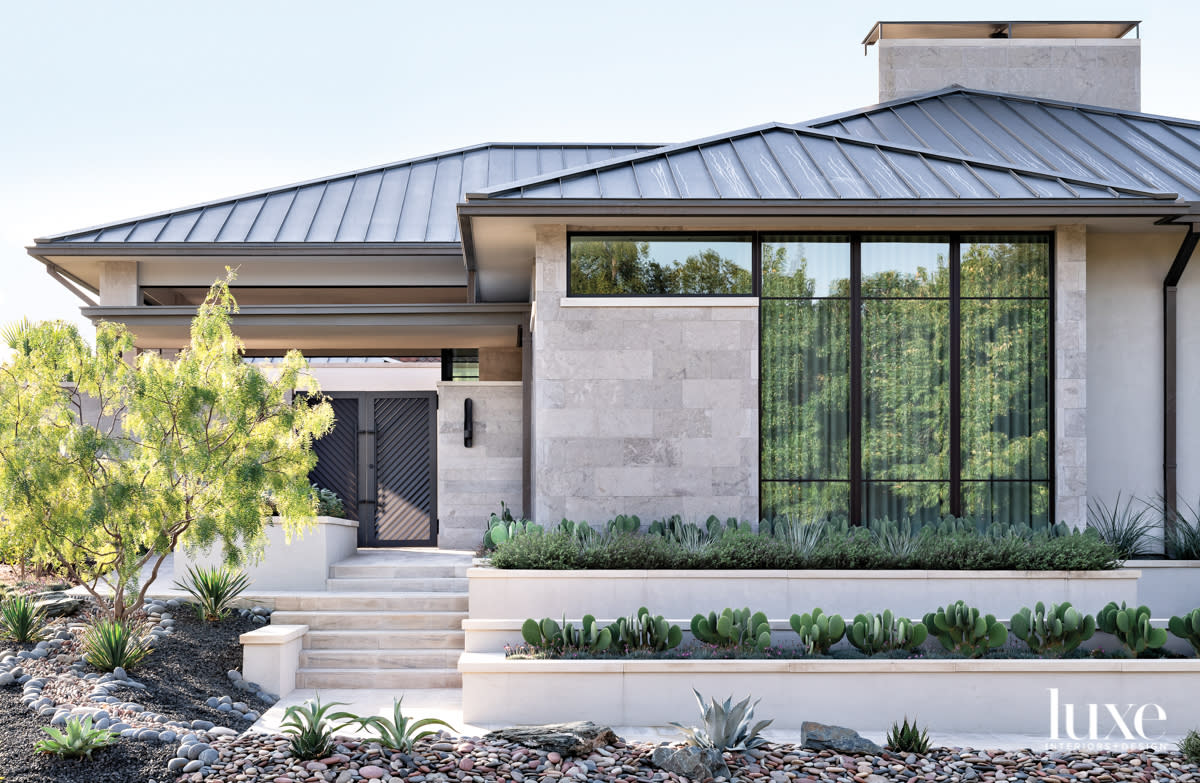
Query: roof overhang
[(360, 330), (999, 29)]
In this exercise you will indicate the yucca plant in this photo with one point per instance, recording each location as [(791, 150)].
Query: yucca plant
[(21, 620), (311, 726), (801, 538), (214, 589), (726, 726), (1128, 529), (79, 739), (109, 643), (400, 732), (907, 738)]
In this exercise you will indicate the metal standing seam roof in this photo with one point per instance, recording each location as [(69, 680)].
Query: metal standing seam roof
[(408, 201), (1130, 149), (777, 161)]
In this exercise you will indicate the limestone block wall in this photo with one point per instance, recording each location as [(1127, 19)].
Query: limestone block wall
[(647, 408), (1070, 375), (1102, 72), (473, 481)]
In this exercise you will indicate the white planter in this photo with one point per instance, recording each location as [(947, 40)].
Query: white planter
[(498, 594), (302, 564), (1168, 587), (959, 696)]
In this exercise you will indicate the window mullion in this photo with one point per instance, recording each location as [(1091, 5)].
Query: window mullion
[(956, 508)]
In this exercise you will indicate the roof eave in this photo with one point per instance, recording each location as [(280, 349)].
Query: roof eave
[(241, 249)]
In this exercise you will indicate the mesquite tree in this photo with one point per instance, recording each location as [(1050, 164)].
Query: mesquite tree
[(108, 464)]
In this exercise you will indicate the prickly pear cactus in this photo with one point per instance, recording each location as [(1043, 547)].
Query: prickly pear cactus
[(877, 633), (1056, 632), (733, 628), (1187, 628), (1131, 627), (962, 629), (818, 631)]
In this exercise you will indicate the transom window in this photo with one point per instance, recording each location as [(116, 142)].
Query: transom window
[(661, 265)]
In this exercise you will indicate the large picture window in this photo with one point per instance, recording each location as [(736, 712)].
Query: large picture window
[(906, 377), (661, 265)]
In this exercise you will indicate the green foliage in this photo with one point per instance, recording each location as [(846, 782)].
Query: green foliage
[(107, 466), (881, 633), (618, 265), (643, 631), (214, 589), (1183, 534), (549, 635), (907, 738), (328, 502), (109, 643), (818, 631), (640, 632), (962, 629), (1187, 628), (501, 530), (552, 551), (1189, 746), (1056, 632), (898, 539), (79, 739), (1131, 627), (733, 628), (726, 726), (311, 726), (21, 620), (400, 732), (1129, 530)]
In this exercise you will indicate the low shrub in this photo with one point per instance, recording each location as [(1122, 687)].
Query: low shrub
[(79, 739), (329, 504), (214, 589), (554, 551), (109, 643), (21, 620), (907, 738)]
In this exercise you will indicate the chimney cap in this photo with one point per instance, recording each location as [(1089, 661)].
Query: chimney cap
[(1005, 29)]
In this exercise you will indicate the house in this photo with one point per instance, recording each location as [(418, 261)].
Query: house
[(970, 298)]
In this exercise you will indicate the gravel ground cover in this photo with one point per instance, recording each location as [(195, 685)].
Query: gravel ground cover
[(262, 757)]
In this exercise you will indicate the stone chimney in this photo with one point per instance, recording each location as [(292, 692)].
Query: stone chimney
[(1081, 62)]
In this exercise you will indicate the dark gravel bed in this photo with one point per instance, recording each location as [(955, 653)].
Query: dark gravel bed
[(128, 761), (191, 665)]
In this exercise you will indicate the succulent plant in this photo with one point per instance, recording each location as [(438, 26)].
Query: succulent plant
[(1056, 632), (643, 631), (1131, 627), (624, 524), (878, 633), (962, 629), (1187, 628), (818, 631), (733, 628), (500, 530), (550, 635), (907, 738), (726, 726)]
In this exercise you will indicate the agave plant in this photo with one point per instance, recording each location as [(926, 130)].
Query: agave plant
[(727, 726), (79, 739), (108, 644), (311, 726), (214, 589), (907, 738), (400, 732), (1128, 529), (897, 538), (801, 538)]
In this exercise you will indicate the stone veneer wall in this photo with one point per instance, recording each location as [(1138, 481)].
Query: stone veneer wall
[(649, 410), (1070, 374), (472, 481)]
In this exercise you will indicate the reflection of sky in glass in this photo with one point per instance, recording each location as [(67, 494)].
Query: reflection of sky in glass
[(903, 258), (827, 264), (679, 251)]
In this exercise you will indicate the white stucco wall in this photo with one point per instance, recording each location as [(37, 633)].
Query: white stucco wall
[(1125, 366)]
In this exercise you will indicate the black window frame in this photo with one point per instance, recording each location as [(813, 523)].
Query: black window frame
[(855, 481)]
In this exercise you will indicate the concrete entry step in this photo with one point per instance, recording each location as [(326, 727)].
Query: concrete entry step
[(379, 659), (378, 678), (386, 640), (385, 602), (424, 584), (370, 620)]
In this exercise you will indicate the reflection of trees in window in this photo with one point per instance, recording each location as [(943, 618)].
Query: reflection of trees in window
[(635, 266), (905, 300)]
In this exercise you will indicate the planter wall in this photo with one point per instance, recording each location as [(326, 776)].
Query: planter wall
[(1168, 587), (302, 564), (517, 594), (997, 696)]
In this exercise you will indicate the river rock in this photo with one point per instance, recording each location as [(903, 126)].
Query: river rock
[(58, 604), (578, 738), (822, 736), (692, 763)]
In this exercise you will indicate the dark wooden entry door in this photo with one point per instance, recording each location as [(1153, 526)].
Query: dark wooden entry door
[(380, 458)]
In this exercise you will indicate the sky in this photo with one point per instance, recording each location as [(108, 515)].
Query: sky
[(114, 110)]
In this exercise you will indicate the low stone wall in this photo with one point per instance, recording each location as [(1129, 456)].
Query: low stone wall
[(1028, 696), (1168, 587), (301, 564)]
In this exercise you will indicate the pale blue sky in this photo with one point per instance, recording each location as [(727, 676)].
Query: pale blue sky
[(112, 110)]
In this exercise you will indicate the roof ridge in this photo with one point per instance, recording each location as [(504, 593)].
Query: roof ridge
[(67, 235)]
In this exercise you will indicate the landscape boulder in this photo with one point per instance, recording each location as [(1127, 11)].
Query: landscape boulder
[(691, 762), (822, 736), (57, 604), (578, 738)]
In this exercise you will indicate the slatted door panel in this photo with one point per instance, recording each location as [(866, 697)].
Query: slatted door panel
[(337, 455), (405, 500)]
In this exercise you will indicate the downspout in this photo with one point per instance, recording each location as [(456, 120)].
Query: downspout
[(1171, 378)]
